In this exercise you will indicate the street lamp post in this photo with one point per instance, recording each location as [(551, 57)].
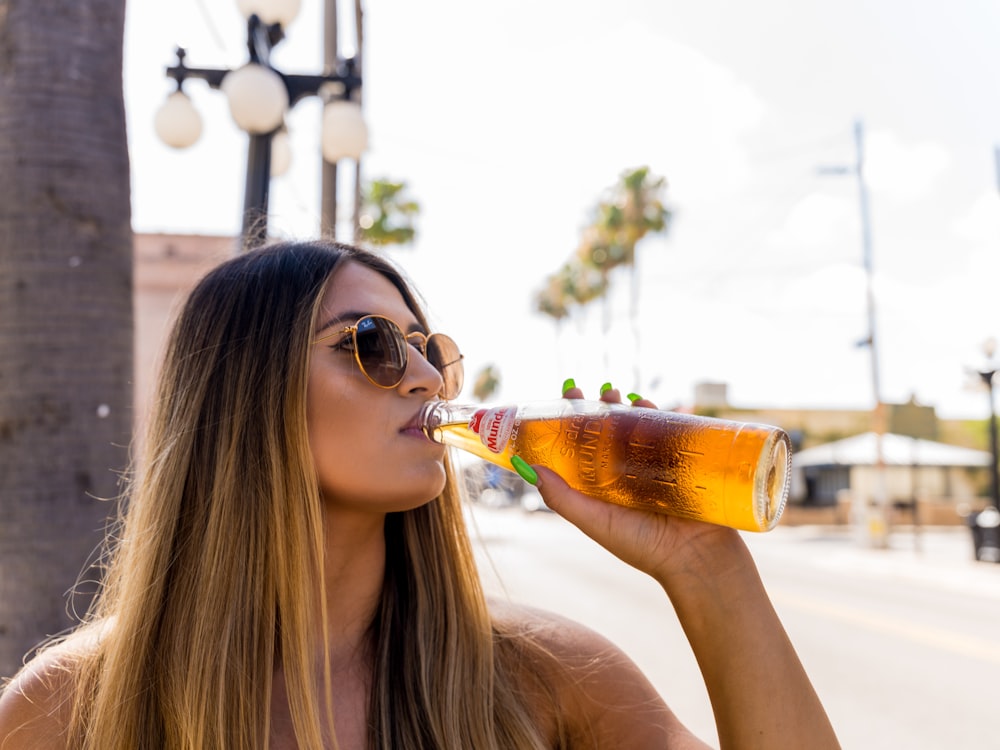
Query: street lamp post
[(259, 95), (987, 374)]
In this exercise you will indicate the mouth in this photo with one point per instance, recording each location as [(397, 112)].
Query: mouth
[(414, 428)]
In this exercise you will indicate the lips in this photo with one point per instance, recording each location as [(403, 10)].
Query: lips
[(413, 425), (414, 428)]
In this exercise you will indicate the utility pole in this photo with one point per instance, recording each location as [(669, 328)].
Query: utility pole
[(328, 194), (996, 161), (878, 517), (329, 210), (874, 514)]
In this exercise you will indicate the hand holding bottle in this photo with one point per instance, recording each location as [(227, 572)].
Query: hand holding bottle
[(654, 543)]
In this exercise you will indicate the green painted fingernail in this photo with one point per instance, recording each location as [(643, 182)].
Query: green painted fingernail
[(633, 397), (526, 472), (567, 384), (605, 388)]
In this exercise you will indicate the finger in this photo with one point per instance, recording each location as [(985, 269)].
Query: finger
[(640, 401), (569, 389), (634, 536), (610, 394), (561, 498)]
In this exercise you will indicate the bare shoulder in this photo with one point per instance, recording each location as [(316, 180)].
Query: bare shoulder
[(566, 639), (603, 697), (36, 705)]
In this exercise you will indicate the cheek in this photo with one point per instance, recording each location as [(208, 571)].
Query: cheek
[(326, 419), (333, 426)]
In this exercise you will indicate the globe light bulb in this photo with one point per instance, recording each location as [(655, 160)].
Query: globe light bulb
[(281, 12), (257, 98), (345, 134), (177, 122)]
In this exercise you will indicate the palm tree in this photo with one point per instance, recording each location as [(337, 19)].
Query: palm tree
[(633, 208), (387, 214), (487, 383), (65, 305)]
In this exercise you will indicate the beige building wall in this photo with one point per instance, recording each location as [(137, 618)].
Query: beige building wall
[(167, 266), (956, 484)]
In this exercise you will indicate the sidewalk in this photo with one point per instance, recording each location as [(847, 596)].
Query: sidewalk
[(936, 555)]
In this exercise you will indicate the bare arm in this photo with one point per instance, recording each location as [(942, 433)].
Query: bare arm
[(760, 693)]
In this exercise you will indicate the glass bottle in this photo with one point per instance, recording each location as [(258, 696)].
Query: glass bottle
[(724, 472)]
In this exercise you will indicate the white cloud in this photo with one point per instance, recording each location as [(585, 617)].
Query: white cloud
[(903, 171), (815, 222), (981, 224)]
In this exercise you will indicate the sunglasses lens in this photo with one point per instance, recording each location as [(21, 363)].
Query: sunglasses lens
[(443, 353), (381, 350)]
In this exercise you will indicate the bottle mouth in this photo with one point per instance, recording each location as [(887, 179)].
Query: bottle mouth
[(773, 480), (428, 419)]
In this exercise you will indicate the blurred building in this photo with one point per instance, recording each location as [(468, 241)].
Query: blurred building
[(809, 427), (166, 268), (915, 470), (938, 467)]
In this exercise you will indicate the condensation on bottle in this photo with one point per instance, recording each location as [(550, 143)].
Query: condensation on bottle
[(725, 472)]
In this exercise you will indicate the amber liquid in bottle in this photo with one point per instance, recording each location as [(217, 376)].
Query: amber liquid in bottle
[(730, 473)]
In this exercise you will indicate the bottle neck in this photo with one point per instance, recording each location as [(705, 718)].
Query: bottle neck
[(436, 414)]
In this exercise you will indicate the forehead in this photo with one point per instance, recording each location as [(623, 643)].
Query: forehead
[(356, 288)]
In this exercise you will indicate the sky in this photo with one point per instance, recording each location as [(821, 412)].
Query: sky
[(510, 121)]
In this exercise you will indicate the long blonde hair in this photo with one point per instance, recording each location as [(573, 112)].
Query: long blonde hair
[(213, 573)]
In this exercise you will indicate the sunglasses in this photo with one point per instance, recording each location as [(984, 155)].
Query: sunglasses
[(381, 350)]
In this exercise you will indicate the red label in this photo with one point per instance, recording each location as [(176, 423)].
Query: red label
[(494, 427)]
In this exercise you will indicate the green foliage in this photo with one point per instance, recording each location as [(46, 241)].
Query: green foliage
[(574, 283), (632, 208), (387, 214), (487, 383)]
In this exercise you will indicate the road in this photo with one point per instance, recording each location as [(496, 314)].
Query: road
[(902, 644)]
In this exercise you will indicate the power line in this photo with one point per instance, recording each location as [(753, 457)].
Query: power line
[(213, 31)]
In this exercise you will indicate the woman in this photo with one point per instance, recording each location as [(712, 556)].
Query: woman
[(292, 569)]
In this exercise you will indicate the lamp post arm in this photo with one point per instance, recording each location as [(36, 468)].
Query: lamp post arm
[(181, 72), (301, 86)]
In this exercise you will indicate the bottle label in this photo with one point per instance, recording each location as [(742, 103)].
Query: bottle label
[(494, 426)]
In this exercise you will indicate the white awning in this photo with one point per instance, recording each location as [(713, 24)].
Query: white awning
[(897, 450)]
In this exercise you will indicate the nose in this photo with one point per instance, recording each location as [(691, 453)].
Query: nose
[(420, 376)]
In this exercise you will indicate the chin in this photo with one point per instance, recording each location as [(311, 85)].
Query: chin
[(412, 492)]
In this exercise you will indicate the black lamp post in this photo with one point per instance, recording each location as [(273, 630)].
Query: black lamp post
[(258, 97), (987, 376)]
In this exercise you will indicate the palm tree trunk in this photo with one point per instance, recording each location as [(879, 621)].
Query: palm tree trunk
[(65, 305), (633, 314)]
